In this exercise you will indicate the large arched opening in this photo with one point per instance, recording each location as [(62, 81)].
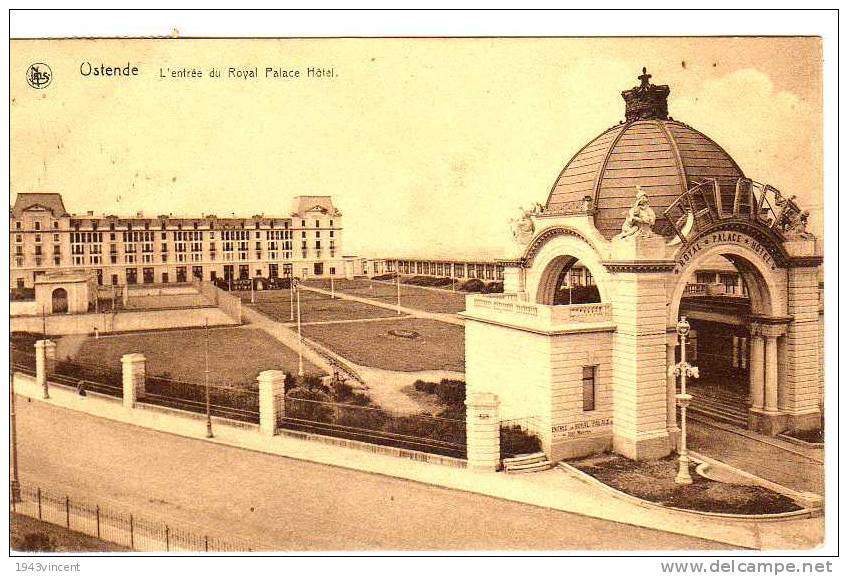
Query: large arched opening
[(565, 269), (733, 298)]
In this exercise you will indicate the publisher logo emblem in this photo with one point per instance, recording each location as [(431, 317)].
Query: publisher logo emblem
[(39, 75)]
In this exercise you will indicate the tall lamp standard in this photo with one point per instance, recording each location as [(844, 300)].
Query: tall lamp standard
[(14, 482), (397, 276), (683, 370), (291, 298), (299, 337), (206, 380)]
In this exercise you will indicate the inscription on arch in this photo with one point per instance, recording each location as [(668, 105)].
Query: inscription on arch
[(724, 237)]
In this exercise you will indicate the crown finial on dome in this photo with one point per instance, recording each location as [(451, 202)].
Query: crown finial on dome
[(646, 101)]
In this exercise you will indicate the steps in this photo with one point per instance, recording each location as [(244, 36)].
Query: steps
[(526, 463), (721, 405)]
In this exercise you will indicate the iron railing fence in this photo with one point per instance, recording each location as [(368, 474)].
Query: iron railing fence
[(89, 377), (127, 530), (373, 425), (23, 361), (519, 436), (234, 403)]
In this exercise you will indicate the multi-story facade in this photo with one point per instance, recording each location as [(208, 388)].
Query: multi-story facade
[(121, 250)]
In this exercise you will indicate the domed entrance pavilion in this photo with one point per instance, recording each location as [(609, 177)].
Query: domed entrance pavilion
[(643, 208)]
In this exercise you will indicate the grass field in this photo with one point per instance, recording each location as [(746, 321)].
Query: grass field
[(428, 300), (58, 538), (440, 346), (314, 307), (236, 355)]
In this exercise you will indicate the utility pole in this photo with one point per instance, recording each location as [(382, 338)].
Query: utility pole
[(14, 482), (291, 298), (299, 338), (397, 276), (206, 378), (683, 370)]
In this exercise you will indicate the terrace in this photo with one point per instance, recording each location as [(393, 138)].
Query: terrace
[(508, 309)]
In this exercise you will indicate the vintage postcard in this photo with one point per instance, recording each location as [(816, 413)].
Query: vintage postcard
[(273, 295)]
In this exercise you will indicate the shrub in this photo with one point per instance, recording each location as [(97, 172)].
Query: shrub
[(515, 440), (451, 391), (579, 295), (493, 288), (36, 542), (342, 391), (389, 276), (426, 387), (21, 294), (472, 285), (312, 407)]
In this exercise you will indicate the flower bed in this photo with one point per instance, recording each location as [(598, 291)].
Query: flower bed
[(654, 481)]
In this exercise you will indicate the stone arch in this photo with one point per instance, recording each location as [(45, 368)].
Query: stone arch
[(553, 252), (766, 282), (59, 301)]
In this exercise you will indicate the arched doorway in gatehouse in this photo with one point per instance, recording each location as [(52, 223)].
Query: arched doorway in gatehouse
[(59, 301), (731, 298), (567, 281)]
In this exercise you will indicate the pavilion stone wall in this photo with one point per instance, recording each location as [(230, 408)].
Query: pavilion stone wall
[(573, 431), (803, 351), (514, 365), (640, 425), (538, 379)]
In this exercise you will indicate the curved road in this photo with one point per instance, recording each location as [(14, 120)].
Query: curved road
[(284, 504)]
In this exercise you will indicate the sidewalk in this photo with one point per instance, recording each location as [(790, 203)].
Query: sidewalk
[(769, 458), (551, 489)]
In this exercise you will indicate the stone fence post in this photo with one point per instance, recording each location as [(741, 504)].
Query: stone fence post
[(50, 356), (271, 400), (482, 430), (41, 366), (133, 368)]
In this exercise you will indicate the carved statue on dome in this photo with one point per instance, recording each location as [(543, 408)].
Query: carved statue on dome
[(640, 217), (523, 227), (797, 228)]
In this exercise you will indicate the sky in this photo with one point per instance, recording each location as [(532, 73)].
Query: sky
[(427, 146)]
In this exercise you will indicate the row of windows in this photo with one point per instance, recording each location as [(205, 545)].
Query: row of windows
[(456, 270), (19, 238), (36, 225)]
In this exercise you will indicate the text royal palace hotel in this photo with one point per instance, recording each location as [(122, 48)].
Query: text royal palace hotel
[(120, 250)]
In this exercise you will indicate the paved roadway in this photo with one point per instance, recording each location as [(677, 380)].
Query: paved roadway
[(285, 504)]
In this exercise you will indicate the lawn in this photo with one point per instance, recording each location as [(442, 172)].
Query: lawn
[(438, 346), (236, 355), (654, 481), (428, 300), (314, 307), (30, 535), (166, 301)]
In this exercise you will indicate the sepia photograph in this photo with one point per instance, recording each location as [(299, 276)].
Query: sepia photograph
[(420, 294)]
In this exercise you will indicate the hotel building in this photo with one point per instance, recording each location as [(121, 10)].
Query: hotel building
[(44, 237)]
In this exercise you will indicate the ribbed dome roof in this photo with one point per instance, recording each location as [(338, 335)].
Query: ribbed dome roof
[(663, 156)]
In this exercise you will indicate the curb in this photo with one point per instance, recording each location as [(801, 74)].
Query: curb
[(647, 504)]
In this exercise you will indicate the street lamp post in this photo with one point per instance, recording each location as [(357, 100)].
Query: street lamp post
[(14, 482), (291, 298), (683, 370), (299, 338), (206, 380), (398, 292)]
